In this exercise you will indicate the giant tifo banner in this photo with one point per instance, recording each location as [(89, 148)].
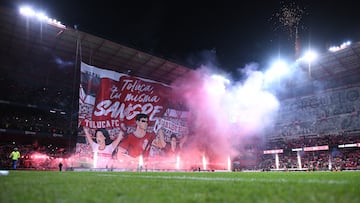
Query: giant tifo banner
[(109, 133)]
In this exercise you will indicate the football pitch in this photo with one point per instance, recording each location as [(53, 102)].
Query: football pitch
[(75, 186)]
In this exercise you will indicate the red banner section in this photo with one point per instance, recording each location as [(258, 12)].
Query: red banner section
[(109, 99)]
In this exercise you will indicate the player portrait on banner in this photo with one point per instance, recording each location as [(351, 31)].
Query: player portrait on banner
[(140, 142)]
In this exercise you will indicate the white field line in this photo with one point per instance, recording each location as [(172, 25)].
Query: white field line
[(280, 180)]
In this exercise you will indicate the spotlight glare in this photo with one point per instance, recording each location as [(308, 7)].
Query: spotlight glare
[(310, 56), (342, 46), (41, 16), (277, 70), (27, 11)]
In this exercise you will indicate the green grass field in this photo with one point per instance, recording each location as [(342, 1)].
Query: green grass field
[(71, 186)]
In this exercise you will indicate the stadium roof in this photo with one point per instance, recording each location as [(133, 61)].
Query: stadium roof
[(29, 38), (338, 64)]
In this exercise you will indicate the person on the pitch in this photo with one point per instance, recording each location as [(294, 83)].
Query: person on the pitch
[(15, 156)]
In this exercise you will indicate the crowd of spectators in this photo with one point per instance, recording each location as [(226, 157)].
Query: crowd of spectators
[(35, 156), (35, 131), (37, 103), (334, 158), (35, 83), (22, 118)]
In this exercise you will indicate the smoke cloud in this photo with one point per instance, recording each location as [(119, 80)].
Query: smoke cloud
[(224, 113)]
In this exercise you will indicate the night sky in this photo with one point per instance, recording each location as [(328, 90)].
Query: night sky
[(229, 35)]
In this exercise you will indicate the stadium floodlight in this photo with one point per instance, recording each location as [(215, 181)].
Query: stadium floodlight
[(27, 11), (41, 16), (309, 57), (278, 69), (342, 46)]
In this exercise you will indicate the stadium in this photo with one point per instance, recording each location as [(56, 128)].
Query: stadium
[(48, 90), (269, 137)]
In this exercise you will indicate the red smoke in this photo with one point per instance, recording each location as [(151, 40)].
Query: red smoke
[(222, 114)]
